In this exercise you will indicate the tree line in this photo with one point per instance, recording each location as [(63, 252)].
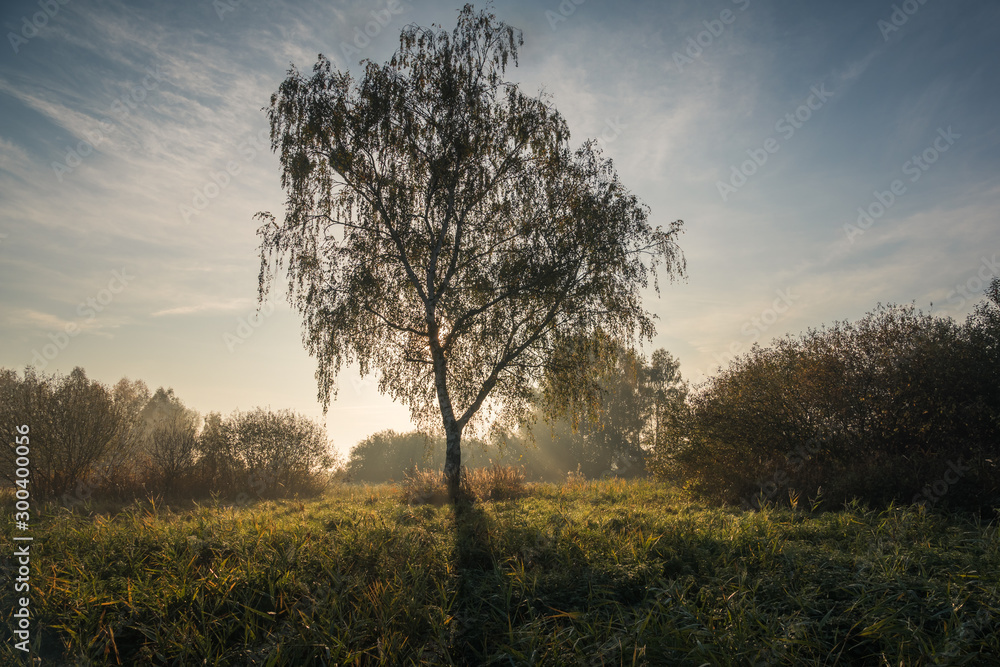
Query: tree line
[(898, 406), (123, 441)]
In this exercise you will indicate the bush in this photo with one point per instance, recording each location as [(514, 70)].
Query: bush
[(899, 406), (495, 482), (271, 452), (424, 487), (76, 425)]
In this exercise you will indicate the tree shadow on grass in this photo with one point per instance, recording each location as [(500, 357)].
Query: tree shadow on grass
[(517, 583), (475, 565)]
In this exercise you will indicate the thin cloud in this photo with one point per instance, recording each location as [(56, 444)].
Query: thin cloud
[(215, 306)]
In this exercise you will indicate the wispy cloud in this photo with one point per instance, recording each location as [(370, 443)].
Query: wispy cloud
[(223, 306)]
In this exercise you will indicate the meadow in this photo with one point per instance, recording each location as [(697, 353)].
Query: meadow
[(595, 573)]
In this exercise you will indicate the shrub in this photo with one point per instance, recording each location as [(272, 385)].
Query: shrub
[(424, 487), (882, 410), (495, 482), (76, 425), (273, 452)]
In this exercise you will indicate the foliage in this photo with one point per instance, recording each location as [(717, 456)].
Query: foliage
[(218, 465), (280, 450), (170, 439), (897, 406), (612, 572), (76, 424), (387, 455), (124, 463), (632, 404), (440, 230), (121, 442), (603, 408)]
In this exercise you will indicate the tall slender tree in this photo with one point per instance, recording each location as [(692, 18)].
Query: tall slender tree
[(440, 230)]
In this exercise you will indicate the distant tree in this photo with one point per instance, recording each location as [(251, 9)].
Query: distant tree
[(217, 463), (131, 397), (608, 415), (440, 230), (171, 442), (667, 393), (387, 455), (606, 406)]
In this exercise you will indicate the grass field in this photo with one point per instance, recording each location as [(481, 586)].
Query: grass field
[(600, 573)]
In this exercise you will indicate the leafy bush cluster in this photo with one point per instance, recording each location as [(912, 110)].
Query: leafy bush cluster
[(76, 424), (898, 406), (123, 442), (270, 453)]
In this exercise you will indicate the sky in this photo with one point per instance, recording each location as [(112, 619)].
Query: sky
[(825, 157)]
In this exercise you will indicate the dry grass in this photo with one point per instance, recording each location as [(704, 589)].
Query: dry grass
[(479, 484)]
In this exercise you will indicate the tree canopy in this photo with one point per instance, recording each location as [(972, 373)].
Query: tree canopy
[(440, 230)]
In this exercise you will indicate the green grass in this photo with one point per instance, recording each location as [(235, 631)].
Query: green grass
[(604, 573)]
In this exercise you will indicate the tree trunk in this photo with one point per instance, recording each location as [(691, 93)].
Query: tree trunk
[(452, 426), (453, 458)]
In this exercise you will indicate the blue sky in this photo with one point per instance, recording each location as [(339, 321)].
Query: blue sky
[(133, 155)]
